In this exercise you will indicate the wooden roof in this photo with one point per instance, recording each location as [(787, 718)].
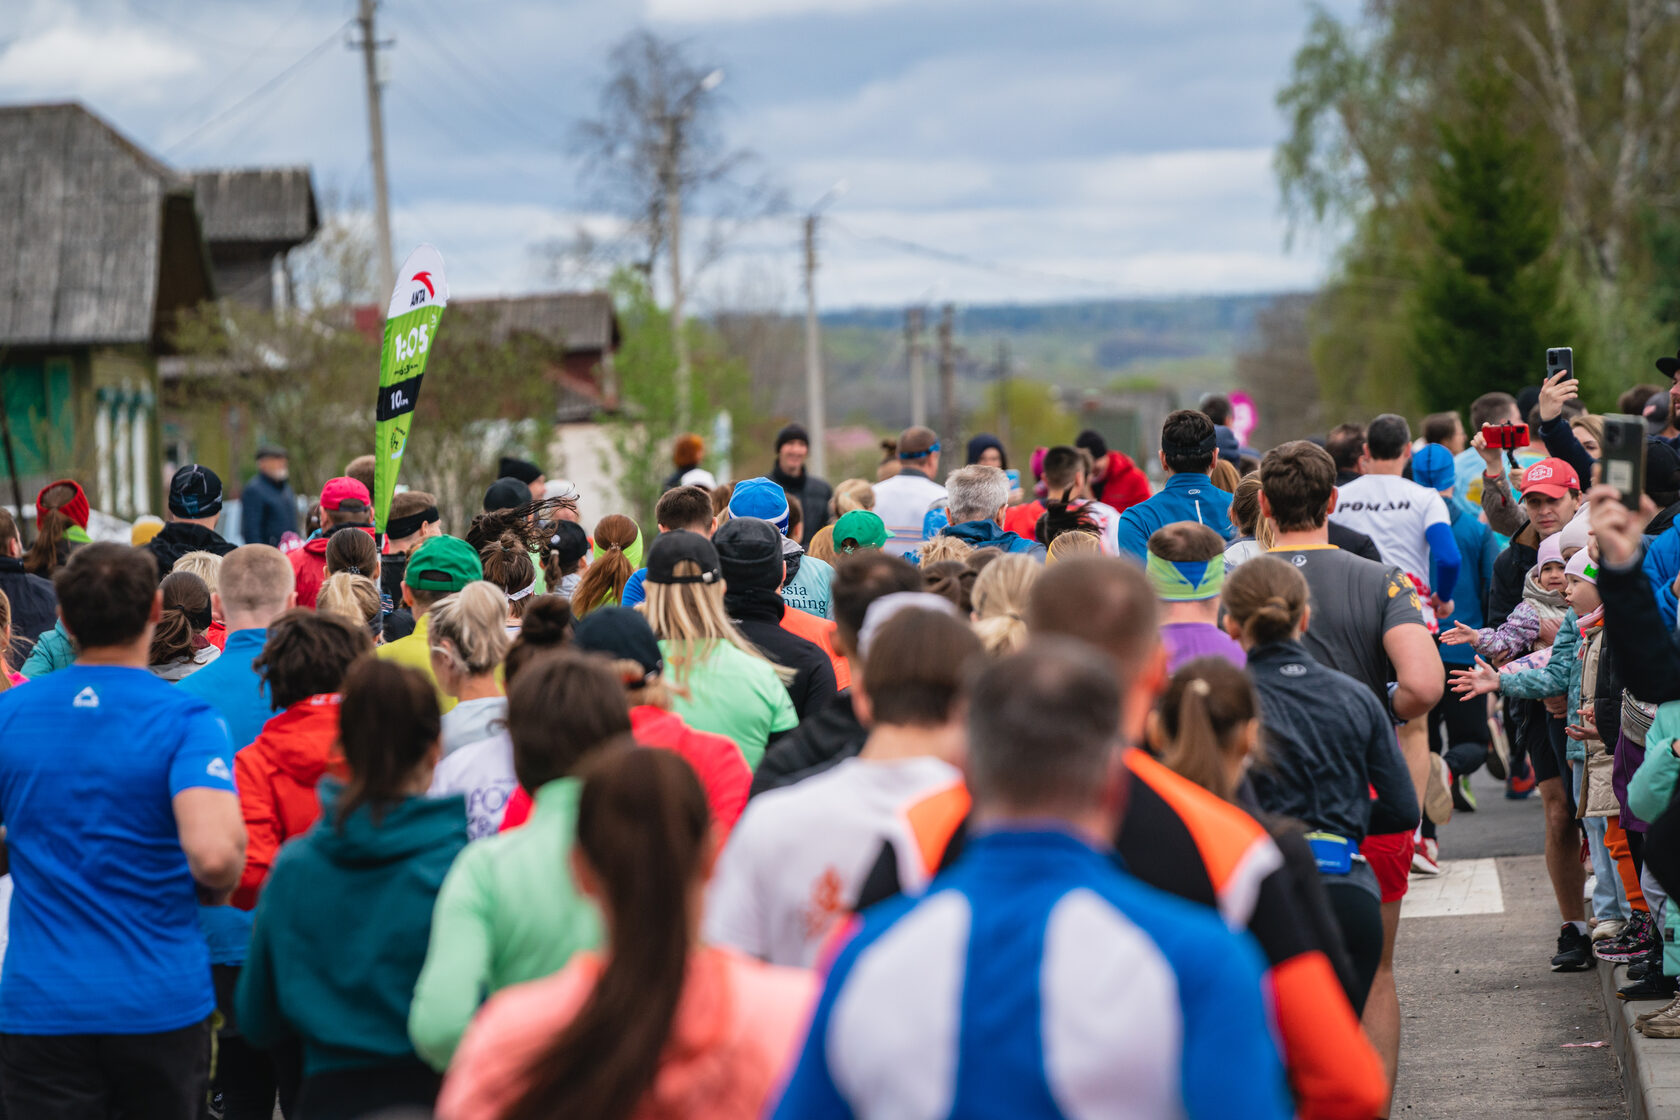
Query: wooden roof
[(98, 242), (572, 320), (270, 205)]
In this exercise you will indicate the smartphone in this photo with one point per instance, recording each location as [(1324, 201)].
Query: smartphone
[(1559, 358), (1505, 437), (1622, 461)]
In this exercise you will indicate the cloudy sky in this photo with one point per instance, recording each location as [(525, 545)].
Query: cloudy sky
[(1025, 151)]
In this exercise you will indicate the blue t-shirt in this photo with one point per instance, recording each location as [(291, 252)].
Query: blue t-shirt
[(104, 919), (810, 590)]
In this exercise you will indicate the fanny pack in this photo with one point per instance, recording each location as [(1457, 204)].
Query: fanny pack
[(1335, 854)]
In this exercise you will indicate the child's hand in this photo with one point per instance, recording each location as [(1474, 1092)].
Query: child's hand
[(1576, 732), (1480, 681), (1459, 635), (1556, 706)]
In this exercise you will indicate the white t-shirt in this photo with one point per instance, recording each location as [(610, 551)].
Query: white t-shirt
[(483, 771), (1395, 512), (799, 856), (902, 501), (471, 721)]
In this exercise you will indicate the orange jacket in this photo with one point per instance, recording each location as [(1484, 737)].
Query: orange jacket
[(819, 632), (277, 775)]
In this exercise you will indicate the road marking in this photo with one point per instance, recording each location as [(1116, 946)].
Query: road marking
[(1464, 886)]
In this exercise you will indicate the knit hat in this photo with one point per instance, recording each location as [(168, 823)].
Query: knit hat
[(1581, 566), (761, 498), (1551, 551), (76, 509), (145, 527), (522, 469), (984, 442), (671, 549), (863, 526), (443, 564), (1092, 441), (790, 433), (194, 492), (622, 634), (1574, 534), (1432, 466), (506, 493), (750, 553), (1662, 469)]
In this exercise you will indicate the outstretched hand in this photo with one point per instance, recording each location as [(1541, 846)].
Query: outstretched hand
[(1558, 390), (1459, 635), (1479, 681)]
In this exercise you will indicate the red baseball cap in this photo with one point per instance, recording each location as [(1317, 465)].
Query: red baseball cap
[(1552, 477), (339, 492)]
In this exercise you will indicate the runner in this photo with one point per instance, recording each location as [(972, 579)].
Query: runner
[(616, 556), (469, 639), (750, 556), (61, 521), (1001, 592), (195, 505), (344, 503), (685, 507), (1186, 567), (34, 603), (440, 567), (978, 499), (1189, 448), (904, 498)]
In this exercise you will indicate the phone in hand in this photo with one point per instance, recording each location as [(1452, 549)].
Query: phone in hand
[(1505, 437), (1559, 359), (1622, 458)]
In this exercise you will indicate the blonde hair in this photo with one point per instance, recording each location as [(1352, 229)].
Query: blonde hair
[(1245, 509), (254, 577), (5, 641), (348, 596), (474, 623), (692, 619), (1000, 601), (854, 493), (1225, 476), (822, 545), (1075, 543), (945, 547), (641, 689), (207, 566)]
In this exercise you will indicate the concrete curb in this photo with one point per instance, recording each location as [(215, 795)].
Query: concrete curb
[(1650, 1067)]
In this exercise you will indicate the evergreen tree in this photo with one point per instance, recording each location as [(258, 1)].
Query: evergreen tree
[(1486, 303)]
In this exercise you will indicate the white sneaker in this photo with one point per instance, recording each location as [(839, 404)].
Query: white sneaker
[(1437, 793), (1610, 927)]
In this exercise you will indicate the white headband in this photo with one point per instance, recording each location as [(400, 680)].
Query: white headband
[(532, 586), (887, 606)]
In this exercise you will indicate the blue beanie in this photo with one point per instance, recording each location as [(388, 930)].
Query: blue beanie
[(761, 498), (1432, 466)]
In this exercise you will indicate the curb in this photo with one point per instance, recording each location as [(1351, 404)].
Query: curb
[(1650, 1067)]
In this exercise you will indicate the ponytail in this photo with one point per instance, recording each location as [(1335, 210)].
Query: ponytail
[(474, 623), (5, 641), (43, 557), (186, 614), (603, 582), (644, 828), (1000, 599), (1204, 706), (1267, 597)]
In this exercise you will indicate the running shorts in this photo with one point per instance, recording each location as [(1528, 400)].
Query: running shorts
[(1390, 856)]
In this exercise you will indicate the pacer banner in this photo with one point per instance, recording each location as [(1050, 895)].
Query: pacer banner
[(411, 325)]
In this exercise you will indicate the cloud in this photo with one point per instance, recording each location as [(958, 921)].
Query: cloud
[(728, 11), (70, 59)]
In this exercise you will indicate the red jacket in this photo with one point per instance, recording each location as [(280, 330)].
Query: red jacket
[(309, 568), (1022, 520), (277, 775), (723, 773), (1122, 487)]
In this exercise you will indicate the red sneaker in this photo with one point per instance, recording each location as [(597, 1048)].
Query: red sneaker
[(1521, 783)]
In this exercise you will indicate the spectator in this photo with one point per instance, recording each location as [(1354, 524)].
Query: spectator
[(195, 505), (1488, 409), (340, 933), (904, 498), (345, 506), (34, 604), (793, 447), (1115, 480), (1446, 429), (268, 508), (113, 836), (688, 452), (1188, 449)]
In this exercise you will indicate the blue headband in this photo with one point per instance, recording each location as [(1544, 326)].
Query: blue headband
[(919, 454)]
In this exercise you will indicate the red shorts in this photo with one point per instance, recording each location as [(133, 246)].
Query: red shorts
[(1390, 856)]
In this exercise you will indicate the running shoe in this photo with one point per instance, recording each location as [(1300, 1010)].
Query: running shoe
[(1464, 801), (1638, 938), (1655, 986), (1520, 783), (1607, 929), (1574, 951), (1499, 749), (1437, 795), (1426, 857)]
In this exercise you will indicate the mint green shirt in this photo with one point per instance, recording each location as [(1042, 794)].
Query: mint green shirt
[(728, 692), (508, 912)]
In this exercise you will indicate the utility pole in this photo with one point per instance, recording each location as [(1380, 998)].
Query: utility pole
[(1002, 390), (817, 422), (947, 379), (673, 249), (913, 346), (376, 149)]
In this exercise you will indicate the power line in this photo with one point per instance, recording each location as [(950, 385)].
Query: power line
[(266, 88), (244, 67), (192, 32), (919, 249), (492, 100)]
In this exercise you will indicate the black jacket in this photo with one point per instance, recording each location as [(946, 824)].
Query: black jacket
[(813, 495), (1352, 540), (1647, 657), (178, 538), (1509, 571), (758, 615), (816, 744), (268, 509), (34, 608)]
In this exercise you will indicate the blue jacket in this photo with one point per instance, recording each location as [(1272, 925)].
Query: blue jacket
[(988, 534), (53, 651), (1662, 564), (1035, 980), (1560, 676), (1185, 497), (267, 510), (1477, 550)]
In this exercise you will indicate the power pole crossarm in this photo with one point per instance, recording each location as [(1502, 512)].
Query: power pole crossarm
[(815, 391), (376, 150)]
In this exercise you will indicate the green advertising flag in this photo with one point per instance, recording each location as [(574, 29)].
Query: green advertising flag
[(411, 326)]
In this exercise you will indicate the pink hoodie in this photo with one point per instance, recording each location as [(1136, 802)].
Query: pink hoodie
[(737, 1031)]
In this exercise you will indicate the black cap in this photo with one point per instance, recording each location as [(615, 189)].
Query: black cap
[(522, 469), (568, 541), (790, 433), (750, 553), (195, 492), (506, 493), (671, 549), (1092, 441), (1662, 468), (622, 634)]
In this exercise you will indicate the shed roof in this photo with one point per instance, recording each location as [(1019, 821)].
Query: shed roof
[(82, 231), (260, 204)]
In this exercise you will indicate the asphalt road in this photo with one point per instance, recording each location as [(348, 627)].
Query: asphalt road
[(1486, 1025)]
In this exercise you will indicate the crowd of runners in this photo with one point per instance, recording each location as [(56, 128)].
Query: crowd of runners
[(982, 792)]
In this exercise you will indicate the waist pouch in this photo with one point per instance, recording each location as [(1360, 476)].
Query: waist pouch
[(1335, 854), (1636, 718)]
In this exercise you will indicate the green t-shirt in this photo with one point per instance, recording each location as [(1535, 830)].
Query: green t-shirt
[(735, 694)]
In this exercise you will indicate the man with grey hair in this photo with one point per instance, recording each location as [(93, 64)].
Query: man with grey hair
[(1099, 989), (977, 498)]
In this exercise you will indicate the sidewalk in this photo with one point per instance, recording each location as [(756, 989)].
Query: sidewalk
[(1650, 1066)]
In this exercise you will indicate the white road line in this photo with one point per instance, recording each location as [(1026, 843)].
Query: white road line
[(1464, 886)]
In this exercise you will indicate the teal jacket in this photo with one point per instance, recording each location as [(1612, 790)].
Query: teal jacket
[(53, 651), (1652, 786), (341, 931), (1561, 676)]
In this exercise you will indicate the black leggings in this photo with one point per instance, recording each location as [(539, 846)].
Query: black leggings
[(1359, 915)]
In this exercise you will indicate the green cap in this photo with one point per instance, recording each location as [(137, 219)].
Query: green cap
[(862, 526), (442, 564)]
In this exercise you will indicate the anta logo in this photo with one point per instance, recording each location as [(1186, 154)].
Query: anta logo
[(426, 279), (218, 769), (1371, 507), (1290, 670), (86, 698)]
